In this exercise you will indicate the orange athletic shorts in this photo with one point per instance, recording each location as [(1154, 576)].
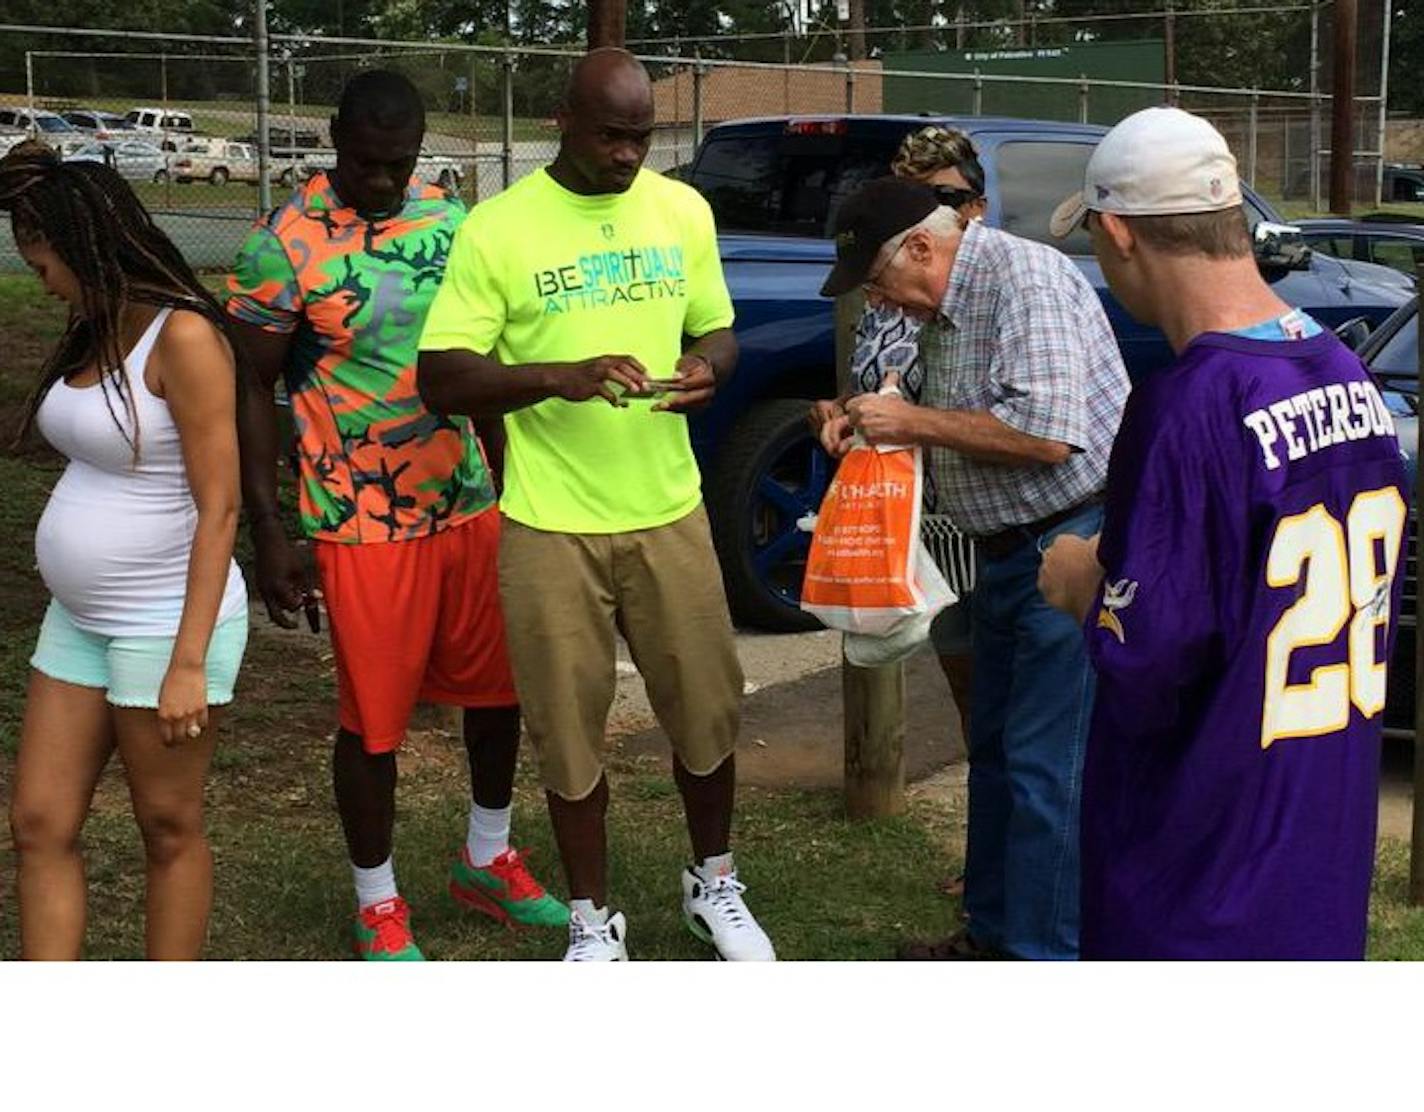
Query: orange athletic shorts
[(415, 621)]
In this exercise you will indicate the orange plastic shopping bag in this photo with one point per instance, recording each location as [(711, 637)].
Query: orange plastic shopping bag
[(867, 572)]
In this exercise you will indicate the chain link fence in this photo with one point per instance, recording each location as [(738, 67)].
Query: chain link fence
[(178, 116)]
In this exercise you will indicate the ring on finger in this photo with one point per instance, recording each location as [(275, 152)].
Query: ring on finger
[(194, 730)]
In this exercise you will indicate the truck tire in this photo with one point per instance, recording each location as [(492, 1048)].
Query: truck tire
[(219, 175), (771, 472)]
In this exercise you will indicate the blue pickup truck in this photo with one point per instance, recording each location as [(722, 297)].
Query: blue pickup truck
[(774, 185)]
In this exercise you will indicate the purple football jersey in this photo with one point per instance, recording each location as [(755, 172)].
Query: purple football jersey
[(1256, 517)]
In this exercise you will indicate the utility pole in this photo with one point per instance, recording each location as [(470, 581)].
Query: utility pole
[(856, 41), (607, 23), (1342, 108)]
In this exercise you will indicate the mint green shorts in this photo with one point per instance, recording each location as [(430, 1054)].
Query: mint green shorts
[(131, 669)]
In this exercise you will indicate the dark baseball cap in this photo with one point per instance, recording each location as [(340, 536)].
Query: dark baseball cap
[(878, 212)]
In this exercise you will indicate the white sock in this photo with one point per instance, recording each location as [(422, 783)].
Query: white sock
[(376, 885), (489, 834), (593, 916), (713, 866)]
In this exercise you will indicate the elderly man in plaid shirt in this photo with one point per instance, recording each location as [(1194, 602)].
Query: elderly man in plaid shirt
[(1024, 389)]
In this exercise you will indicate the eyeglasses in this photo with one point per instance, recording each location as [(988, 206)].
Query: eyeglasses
[(872, 283), (956, 198)]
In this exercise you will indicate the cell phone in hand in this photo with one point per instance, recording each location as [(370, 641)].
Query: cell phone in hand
[(312, 607), (657, 388)]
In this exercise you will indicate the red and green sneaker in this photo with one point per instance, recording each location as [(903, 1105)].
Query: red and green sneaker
[(382, 933), (506, 891)]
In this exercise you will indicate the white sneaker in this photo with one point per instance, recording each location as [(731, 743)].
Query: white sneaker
[(597, 942), (715, 912)]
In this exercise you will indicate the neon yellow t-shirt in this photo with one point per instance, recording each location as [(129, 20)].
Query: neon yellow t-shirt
[(538, 274)]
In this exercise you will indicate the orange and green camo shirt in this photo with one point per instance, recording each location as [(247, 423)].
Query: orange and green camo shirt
[(376, 464)]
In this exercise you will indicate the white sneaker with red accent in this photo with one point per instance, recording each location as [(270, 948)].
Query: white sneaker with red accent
[(715, 912), (592, 941)]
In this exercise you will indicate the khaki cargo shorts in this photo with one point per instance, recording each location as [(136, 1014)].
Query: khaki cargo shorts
[(566, 595)]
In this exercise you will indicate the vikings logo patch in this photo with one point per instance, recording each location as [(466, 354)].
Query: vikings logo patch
[(1116, 598)]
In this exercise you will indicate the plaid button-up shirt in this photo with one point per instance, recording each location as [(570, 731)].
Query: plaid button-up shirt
[(1022, 335)]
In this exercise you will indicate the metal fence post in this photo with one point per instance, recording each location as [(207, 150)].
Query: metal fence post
[(1315, 107), (1383, 102), (1253, 122), (292, 101), (30, 88), (697, 73), (978, 95), (1082, 98), (507, 61), (1285, 155), (850, 90), (1416, 845), (264, 140)]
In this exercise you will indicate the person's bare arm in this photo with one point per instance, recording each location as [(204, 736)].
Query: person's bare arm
[(197, 378), (703, 369), (283, 582), (978, 434), (475, 384)]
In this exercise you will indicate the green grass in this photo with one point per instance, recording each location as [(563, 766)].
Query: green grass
[(823, 888), (1297, 209)]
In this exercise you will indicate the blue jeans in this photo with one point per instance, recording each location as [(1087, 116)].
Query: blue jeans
[(1033, 698)]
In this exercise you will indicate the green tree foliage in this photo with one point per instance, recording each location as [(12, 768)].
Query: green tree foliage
[(1269, 50)]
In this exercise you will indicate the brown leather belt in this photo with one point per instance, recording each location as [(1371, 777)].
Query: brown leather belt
[(996, 546)]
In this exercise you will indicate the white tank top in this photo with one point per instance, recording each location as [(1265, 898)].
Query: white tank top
[(114, 541)]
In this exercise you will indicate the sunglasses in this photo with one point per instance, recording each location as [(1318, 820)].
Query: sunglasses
[(956, 198)]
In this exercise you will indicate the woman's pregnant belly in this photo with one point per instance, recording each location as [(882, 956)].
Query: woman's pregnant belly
[(118, 565)]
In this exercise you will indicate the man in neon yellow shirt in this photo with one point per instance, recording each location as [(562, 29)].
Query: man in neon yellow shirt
[(586, 304)]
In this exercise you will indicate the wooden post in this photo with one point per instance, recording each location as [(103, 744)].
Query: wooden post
[(607, 22), (1416, 850), (873, 699), (874, 740)]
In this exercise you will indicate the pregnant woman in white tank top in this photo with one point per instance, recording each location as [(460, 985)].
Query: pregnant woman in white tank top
[(148, 618)]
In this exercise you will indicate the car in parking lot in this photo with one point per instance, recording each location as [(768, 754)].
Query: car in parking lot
[(134, 159), (160, 120), (1403, 183), (9, 137), (99, 125), (48, 127), (1384, 238), (214, 160)]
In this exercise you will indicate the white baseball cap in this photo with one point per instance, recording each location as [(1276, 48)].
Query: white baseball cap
[(1157, 162)]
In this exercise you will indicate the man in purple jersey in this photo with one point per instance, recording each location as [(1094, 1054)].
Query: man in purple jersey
[(1241, 602)]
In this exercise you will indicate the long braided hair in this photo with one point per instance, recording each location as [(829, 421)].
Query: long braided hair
[(93, 221)]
